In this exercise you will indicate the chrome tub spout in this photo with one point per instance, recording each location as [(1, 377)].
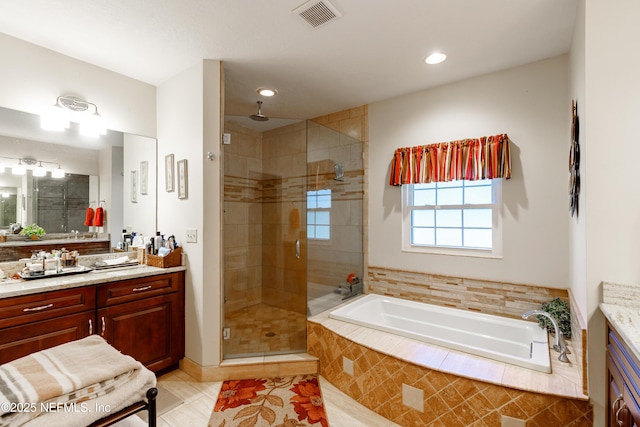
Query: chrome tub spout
[(560, 346)]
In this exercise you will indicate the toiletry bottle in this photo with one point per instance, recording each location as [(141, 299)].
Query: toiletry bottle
[(157, 243)]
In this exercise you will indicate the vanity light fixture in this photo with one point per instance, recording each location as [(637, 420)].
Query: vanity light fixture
[(73, 109), (20, 168), (435, 58), (265, 91)]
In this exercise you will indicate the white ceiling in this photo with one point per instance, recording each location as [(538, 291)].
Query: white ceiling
[(375, 51)]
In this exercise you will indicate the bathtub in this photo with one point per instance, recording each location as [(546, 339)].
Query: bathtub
[(513, 341)]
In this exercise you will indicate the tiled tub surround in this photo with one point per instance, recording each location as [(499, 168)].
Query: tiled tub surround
[(498, 298), (416, 384)]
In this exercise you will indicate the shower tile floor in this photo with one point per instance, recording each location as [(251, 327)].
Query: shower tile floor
[(264, 329)]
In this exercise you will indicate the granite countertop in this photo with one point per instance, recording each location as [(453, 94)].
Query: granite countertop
[(62, 241), (14, 288), (621, 306)]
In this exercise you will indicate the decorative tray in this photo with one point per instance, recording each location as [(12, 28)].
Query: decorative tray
[(67, 271)]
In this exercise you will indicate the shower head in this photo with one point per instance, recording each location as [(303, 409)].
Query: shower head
[(259, 117)]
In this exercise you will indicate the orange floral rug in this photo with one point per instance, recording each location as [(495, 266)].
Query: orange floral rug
[(273, 402)]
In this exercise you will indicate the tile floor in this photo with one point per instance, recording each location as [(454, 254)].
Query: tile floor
[(199, 399), (263, 329)]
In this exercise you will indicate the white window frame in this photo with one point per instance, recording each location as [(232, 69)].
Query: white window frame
[(494, 252), (327, 209)]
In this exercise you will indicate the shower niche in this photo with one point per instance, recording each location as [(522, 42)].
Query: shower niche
[(293, 201)]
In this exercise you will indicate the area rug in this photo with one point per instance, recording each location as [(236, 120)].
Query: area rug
[(270, 402)]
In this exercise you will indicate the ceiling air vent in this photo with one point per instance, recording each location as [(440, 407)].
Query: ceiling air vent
[(317, 13)]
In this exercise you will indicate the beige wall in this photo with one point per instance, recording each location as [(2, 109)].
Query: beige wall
[(530, 104)]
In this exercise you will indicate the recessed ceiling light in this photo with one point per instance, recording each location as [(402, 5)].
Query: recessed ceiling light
[(265, 91), (435, 58)]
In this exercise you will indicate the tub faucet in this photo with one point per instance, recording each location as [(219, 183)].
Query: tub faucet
[(560, 346)]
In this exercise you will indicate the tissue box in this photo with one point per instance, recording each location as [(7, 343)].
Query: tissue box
[(173, 259)]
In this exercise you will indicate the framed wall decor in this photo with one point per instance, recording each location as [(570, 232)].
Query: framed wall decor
[(169, 181), (144, 177), (183, 179), (134, 186)]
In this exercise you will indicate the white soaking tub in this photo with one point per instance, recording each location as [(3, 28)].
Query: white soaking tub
[(513, 341)]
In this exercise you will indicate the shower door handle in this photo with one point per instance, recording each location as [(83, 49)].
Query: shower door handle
[(298, 249)]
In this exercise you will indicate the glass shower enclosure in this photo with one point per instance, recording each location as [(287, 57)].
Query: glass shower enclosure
[(293, 200)]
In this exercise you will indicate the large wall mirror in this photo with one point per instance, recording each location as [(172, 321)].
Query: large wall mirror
[(97, 173)]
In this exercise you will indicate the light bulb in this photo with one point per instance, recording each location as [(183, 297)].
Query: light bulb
[(19, 169), (93, 125), (57, 173), (54, 118), (39, 170)]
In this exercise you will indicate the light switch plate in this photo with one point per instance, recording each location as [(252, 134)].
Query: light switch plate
[(192, 235)]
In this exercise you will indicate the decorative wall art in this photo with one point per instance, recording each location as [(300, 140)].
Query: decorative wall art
[(169, 173), (134, 187), (183, 186), (144, 177), (574, 161)]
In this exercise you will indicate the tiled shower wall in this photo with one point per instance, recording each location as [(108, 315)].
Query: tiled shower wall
[(284, 282), (331, 261), (242, 218)]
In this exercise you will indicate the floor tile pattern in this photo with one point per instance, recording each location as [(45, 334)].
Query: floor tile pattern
[(449, 400), (263, 329)]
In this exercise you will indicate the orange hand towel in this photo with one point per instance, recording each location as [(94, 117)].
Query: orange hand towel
[(99, 219), (295, 219), (88, 219)]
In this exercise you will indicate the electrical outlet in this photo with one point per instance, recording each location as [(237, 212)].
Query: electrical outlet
[(192, 235)]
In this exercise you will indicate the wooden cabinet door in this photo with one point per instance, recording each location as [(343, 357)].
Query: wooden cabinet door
[(149, 330), (19, 341)]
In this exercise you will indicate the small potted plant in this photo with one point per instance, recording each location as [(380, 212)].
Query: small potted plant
[(33, 231)]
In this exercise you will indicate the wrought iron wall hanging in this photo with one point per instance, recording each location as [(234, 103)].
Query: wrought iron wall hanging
[(574, 161)]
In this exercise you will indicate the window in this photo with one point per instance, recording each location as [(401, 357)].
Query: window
[(453, 217), (319, 214)]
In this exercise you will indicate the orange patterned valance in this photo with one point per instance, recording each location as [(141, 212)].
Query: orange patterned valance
[(469, 159)]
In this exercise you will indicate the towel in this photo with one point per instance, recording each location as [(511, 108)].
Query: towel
[(99, 219), (88, 219), (295, 218), (86, 374)]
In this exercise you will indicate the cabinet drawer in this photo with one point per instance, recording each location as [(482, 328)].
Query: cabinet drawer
[(32, 308), (136, 289), (18, 341)]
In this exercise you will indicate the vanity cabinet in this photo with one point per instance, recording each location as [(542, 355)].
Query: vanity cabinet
[(35, 322), (142, 317), (623, 393)]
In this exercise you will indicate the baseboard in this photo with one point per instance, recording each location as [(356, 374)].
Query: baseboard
[(253, 367)]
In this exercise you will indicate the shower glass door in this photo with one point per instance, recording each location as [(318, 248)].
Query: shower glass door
[(335, 182), (265, 309), (292, 233)]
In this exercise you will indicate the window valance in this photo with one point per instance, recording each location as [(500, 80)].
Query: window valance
[(468, 159)]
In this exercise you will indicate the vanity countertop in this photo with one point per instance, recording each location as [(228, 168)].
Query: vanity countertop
[(14, 288), (62, 242), (621, 306)]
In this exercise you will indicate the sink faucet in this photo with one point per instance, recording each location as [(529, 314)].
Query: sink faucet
[(560, 346)]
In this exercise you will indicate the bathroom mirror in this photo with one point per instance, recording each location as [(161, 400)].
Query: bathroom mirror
[(107, 160)]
